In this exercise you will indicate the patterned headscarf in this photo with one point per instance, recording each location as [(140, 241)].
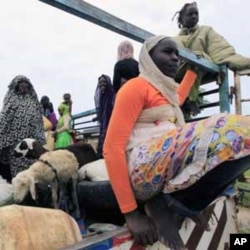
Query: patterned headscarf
[(125, 50), (166, 85), (20, 116)]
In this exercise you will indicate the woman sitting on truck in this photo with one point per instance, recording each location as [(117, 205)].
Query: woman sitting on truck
[(156, 160), (205, 42)]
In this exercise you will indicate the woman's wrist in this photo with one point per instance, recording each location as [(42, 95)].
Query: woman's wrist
[(132, 213)]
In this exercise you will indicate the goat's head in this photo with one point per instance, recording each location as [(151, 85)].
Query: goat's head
[(22, 184), (29, 148), (83, 152)]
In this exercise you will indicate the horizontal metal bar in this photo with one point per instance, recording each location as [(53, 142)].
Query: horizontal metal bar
[(210, 92), (80, 123), (90, 241), (199, 61), (90, 127), (98, 16), (84, 114), (196, 119), (209, 105)]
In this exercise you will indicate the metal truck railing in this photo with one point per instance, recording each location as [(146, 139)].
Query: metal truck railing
[(83, 125)]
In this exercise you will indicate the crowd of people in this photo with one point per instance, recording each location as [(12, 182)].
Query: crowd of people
[(155, 161), (24, 116)]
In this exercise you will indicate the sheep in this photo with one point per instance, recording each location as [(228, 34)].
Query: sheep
[(54, 168), (94, 171), (32, 149)]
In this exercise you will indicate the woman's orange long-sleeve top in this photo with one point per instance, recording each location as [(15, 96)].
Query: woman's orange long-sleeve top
[(136, 95)]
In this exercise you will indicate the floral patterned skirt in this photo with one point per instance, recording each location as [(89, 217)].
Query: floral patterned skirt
[(181, 156)]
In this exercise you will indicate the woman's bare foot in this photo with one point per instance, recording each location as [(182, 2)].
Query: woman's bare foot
[(177, 207), (201, 221), (166, 223)]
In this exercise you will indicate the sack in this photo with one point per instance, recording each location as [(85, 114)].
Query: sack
[(50, 140), (47, 125)]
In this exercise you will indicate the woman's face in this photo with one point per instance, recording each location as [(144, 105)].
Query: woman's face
[(23, 87), (190, 17), (165, 56), (103, 84), (67, 98)]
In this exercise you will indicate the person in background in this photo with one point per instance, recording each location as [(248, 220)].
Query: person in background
[(126, 66), (104, 102), (62, 134), (20, 118), (48, 111), (68, 101), (205, 42), (160, 164)]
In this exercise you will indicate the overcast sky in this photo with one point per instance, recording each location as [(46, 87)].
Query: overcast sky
[(63, 53)]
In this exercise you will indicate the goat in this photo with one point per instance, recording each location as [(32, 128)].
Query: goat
[(55, 169)]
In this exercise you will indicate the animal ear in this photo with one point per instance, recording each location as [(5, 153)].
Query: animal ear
[(32, 187)]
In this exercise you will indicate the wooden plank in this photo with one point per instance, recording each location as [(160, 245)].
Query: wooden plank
[(97, 16)]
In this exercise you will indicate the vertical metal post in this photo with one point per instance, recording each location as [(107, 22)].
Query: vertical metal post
[(237, 88), (224, 91)]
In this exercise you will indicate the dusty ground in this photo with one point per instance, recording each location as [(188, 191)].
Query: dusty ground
[(244, 219)]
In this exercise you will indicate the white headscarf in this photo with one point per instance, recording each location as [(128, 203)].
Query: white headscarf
[(166, 85)]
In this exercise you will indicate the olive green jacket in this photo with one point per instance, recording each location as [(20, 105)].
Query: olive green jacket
[(205, 42)]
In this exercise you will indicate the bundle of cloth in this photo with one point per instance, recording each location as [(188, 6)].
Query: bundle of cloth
[(50, 140)]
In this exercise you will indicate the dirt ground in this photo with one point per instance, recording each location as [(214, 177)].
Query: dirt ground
[(243, 217)]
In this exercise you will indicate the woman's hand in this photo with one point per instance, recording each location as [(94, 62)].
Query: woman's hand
[(142, 228)]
